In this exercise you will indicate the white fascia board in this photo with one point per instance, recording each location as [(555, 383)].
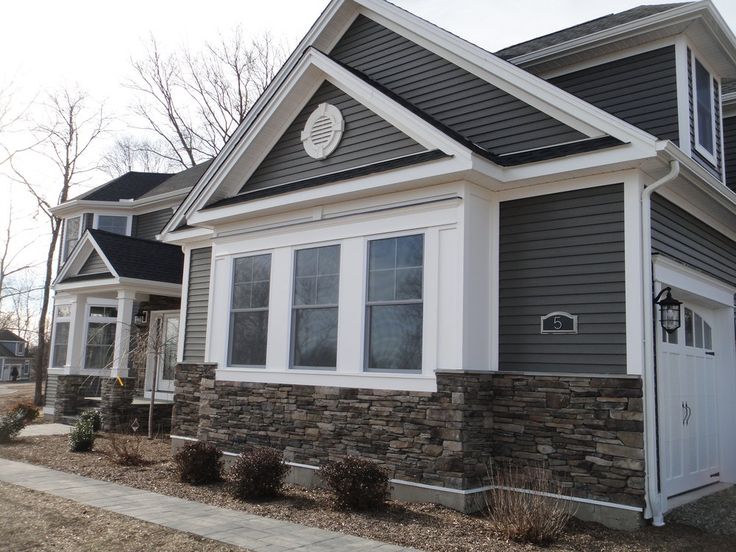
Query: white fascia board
[(431, 172), (687, 12), (533, 90), (186, 236), (116, 284), (313, 68), (150, 286), (108, 284), (129, 206), (324, 33)]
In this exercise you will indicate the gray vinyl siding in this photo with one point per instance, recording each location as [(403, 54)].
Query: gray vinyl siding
[(685, 238), (641, 90), (367, 139), (93, 265), (563, 252), (456, 98), (52, 383), (729, 145), (715, 170), (198, 289), (148, 225)]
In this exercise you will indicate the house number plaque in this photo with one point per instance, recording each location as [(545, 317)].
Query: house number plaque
[(559, 323)]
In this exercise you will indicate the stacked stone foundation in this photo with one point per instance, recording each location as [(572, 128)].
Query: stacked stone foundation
[(584, 432)]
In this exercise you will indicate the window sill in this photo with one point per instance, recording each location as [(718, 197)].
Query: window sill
[(364, 380)]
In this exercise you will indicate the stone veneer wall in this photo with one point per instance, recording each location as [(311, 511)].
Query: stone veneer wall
[(69, 396), (587, 431)]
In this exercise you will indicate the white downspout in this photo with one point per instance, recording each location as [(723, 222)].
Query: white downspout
[(655, 504)]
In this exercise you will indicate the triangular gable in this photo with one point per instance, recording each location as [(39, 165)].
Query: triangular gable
[(367, 139), (562, 112), (93, 265)]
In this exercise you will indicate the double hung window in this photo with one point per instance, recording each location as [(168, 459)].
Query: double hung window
[(394, 308), (249, 310), (314, 313)]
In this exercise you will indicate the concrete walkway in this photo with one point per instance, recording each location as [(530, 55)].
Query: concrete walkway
[(255, 533), (37, 430)]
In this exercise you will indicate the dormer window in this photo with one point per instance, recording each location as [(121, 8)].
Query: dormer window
[(705, 127), (117, 224)]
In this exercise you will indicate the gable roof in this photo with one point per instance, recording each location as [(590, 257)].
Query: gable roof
[(7, 335), (184, 179), (324, 35), (128, 258), (5, 352), (583, 29)]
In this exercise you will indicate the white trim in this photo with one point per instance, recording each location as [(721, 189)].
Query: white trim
[(65, 255), (139, 206), (187, 251), (685, 278), (682, 64), (89, 304), (54, 320), (635, 293)]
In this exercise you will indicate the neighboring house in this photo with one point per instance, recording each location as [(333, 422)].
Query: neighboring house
[(15, 360), (115, 283), (436, 257)]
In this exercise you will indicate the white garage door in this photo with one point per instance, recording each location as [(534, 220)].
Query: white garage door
[(686, 384)]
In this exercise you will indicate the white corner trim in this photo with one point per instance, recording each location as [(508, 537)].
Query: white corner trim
[(682, 63), (635, 292)]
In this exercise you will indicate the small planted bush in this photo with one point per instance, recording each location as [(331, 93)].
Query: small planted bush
[(126, 450), (357, 484), (93, 417), (82, 436), (528, 517), (259, 474), (199, 463), (10, 425)]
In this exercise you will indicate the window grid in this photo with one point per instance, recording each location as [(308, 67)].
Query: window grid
[(100, 343), (249, 273)]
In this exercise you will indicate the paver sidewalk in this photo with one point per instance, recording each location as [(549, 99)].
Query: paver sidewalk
[(256, 533)]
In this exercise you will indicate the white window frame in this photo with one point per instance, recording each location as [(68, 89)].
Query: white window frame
[(128, 221), (228, 342), (702, 150), (64, 252), (106, 320), (56, 319)]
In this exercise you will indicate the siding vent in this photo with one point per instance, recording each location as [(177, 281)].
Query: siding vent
[(323, 131)]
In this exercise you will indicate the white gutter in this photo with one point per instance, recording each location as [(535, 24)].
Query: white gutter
[(654, 499)]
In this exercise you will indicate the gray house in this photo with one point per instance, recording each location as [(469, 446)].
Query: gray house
[(15, 360), (436, 257)]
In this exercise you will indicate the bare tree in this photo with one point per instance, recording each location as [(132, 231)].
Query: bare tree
[(69, 127), (193, 102), (132, 154), (9, 256)]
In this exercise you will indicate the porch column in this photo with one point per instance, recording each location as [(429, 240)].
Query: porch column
[(126, 298)]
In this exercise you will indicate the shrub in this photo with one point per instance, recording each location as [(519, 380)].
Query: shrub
[(259, 474), (10, 425), (126, 450), (82, 436), (93, 417), (199, 463), (27, 410), (529, 517), (357, 484)]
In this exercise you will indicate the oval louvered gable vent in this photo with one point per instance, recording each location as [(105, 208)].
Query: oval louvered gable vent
[(323, 131)]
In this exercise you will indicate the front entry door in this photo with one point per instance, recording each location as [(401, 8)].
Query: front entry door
[(164, 345), (686, 385)]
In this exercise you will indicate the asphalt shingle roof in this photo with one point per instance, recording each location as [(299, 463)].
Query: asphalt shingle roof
[(131, 185), (141, 259), (4, 352), (584, 29), (179, 181), (7, 335)]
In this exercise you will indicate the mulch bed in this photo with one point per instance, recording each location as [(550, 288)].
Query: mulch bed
[(424, 526)]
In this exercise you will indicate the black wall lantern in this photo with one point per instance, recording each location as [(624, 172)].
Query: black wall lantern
[(669, 311)]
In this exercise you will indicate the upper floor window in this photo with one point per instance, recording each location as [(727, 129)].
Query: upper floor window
[(705, 133), (314, 315), (394, 310), (249, 310), (117, 224), (72, 227)]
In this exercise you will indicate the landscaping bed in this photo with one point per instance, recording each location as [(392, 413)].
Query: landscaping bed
[(424, 526)]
